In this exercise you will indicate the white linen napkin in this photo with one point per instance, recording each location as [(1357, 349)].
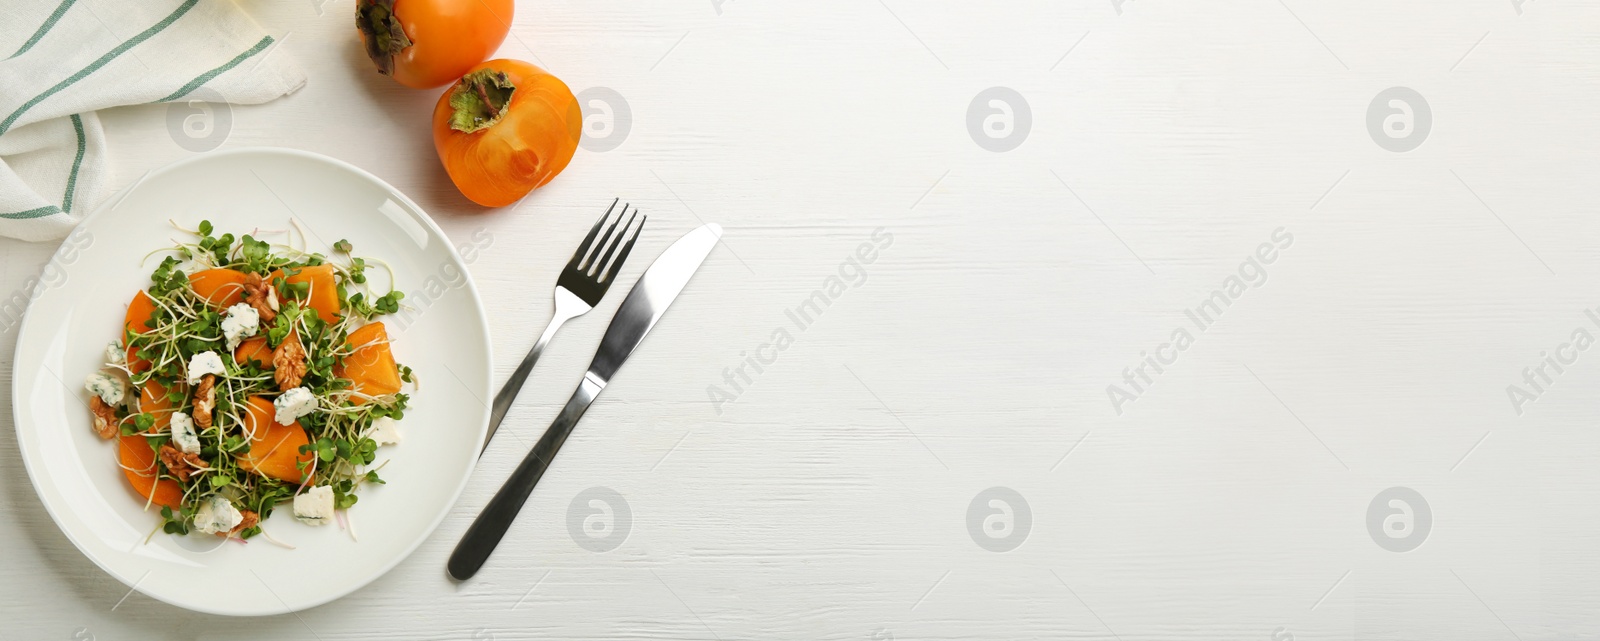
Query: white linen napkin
[(68, 58)]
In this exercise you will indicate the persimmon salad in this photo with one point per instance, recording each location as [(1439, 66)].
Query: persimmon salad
[(249, 375)]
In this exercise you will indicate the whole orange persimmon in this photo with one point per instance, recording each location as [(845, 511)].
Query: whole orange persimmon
[(429, 43), (506, 128)]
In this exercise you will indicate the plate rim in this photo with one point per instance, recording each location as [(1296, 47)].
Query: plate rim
[(110, 204)]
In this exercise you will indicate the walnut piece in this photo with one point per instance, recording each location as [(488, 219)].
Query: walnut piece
[(289, 363), (181, 464), (205, 400), (249, 521), (105, 418), (258, 293)]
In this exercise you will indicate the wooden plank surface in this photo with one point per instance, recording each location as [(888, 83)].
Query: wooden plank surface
[(835, 496)]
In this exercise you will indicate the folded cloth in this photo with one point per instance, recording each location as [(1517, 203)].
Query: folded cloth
[(68, 59)]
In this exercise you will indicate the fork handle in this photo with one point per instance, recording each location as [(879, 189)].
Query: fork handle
[(508, 393), (491, 524)]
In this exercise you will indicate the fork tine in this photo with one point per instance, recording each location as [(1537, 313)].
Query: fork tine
[(586, 245), (616, 265), (588, 265), (600, 265)]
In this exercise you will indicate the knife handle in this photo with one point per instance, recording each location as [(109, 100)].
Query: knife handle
[(491, 524)]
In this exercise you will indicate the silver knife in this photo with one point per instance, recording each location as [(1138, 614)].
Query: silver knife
[(645, 304)]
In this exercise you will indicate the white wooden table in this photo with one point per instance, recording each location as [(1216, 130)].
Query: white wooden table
[(1237, 488)]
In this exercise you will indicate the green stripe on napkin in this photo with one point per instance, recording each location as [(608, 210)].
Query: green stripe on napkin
[(44, 28), (203, 78), (33, 213), (72, 179), (5, 125)]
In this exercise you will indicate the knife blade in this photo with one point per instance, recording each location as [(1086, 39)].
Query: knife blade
[(646, 302)]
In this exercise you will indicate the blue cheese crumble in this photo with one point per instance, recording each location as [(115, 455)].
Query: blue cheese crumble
[(216, 516), (314, 506), (293, 404), (242, 322), (384, 431), (202, 364), (115, 355), (183, 434), (108, 387)]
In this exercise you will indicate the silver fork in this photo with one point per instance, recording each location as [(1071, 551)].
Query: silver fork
[(580, 287)]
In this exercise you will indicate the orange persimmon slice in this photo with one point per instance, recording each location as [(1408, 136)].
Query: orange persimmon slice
[(371, 366), (275, 449), (324, 292), (153, 400), (219, 287), (139, 465), (139, 311), (254, 349)]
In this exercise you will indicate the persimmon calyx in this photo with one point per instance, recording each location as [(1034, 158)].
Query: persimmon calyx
[(385, 37), (480, 100)]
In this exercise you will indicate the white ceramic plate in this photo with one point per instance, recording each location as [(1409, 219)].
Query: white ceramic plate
[(79, 306)]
